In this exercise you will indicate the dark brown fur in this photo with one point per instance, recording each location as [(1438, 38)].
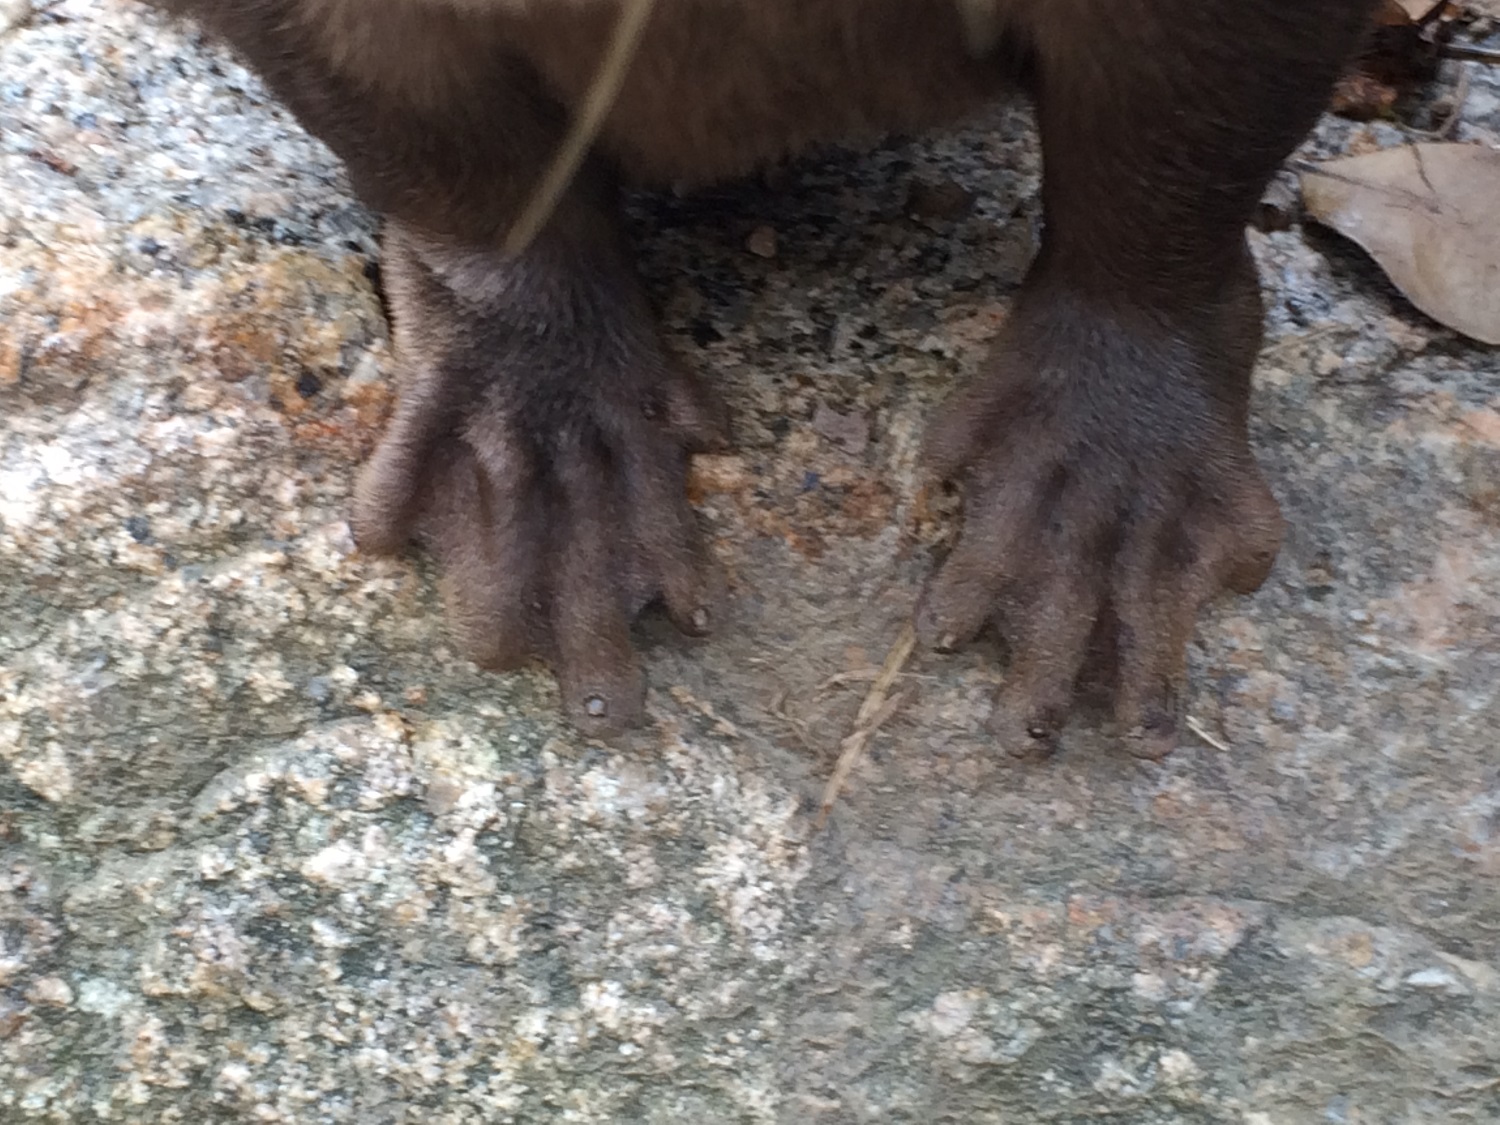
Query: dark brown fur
[(541, 440)]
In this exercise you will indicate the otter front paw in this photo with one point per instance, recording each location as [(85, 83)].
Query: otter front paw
[(1109, 492), (539, 448)]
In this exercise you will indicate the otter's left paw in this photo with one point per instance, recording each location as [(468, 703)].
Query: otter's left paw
[(1109, 492)]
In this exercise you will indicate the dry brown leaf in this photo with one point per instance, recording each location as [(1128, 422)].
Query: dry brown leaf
[(1419, 10), (1430, 215)]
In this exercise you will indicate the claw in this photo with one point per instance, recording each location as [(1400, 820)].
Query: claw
[(549, 481), (1093, 515), (1024, 739)]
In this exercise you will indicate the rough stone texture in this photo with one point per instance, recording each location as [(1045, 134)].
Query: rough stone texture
[(273, 853)]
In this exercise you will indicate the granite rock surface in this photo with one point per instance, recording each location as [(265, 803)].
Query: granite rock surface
[(273, 852)]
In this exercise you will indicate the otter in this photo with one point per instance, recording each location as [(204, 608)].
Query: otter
[(541, 438)]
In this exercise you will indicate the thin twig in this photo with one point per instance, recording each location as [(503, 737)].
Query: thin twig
[(1460, 96), (873, 712), (794, 724), (1202, 732), (1470, 54), (597, 103), (863, 676)]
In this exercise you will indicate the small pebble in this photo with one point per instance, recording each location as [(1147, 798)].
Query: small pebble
[(762, 242), (945, 199), (52, 991)]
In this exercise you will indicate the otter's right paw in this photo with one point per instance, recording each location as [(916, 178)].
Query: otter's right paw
[(539, 449)]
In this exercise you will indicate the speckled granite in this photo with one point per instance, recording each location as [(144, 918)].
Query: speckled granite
[(273, 853)]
